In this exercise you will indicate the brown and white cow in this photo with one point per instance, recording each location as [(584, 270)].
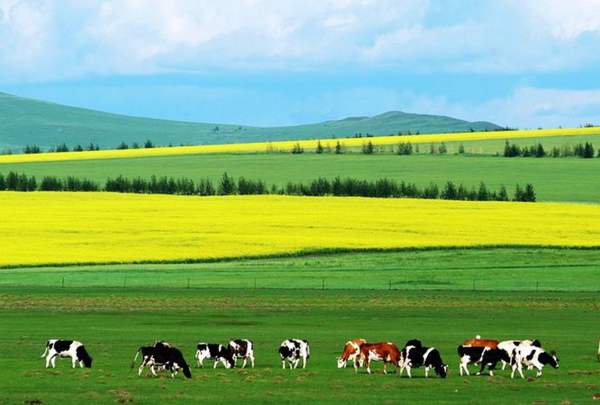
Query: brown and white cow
[(386, 352), (479, 342), (350, 351)]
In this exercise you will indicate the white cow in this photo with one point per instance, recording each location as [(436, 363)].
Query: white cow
[(532, 356), (66, 348)]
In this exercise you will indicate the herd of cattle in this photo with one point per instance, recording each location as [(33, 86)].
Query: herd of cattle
[(485, 353)]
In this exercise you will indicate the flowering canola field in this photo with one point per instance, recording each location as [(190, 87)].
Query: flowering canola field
[(54, 228), (285, 146)]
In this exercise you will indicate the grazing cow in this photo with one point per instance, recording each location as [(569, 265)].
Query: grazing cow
[(480, 355), (350, 351), (242, 349), (216, 352), (414, 355), (294, 350), (479, 342), (386, 352), (162, 356), (510, 345), (66, 348), (532, 356)]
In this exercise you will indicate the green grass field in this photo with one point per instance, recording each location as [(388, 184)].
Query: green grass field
[(431, 299), (555, 179), (441, 269)]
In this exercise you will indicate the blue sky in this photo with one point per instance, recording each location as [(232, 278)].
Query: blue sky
[(266, 62)]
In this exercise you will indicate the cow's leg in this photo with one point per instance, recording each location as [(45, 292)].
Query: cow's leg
[(283, 364), (215, 365), (303, 361), (244, 362), (427, 372), (408, 372), (539, 368), (140, 370), (504, 365), (53, 360), (252, 359), (48, 358)]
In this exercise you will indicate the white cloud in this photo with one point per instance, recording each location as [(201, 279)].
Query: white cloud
[(563, 20), (533, 107), (53, 39)]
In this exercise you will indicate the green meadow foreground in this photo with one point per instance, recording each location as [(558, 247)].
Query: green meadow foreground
[(114, 321)]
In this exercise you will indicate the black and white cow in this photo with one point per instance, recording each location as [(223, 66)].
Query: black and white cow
[(532, 356), (414, 355), (291, 351), (485, 356), (162, 356), (510, 345), (66, 348), (216, 352), (242, 349)]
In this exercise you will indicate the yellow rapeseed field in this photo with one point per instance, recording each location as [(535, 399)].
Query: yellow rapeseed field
[(283, 146), (44, 227)]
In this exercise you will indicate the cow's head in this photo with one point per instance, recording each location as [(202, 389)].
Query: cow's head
[(549, 359), (554, 363), (341, 363)]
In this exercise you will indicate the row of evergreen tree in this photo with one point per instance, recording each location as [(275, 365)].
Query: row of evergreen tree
[(227, 185), (369, 148), (582, 150)]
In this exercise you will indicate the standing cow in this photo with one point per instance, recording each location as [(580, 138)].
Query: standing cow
[(350, 352), (485, 356), (242, 349), (162, 356), (216, 352), (291, 351), (532, 356), (66, 348), (510, 345), (415, 355), (386, 352)]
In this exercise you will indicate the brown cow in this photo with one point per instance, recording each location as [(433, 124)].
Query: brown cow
[(351, 350), (479, 342), (386, 352)]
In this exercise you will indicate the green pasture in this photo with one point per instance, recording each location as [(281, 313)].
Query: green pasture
[(555, 179), (532, 269), (113, 323)]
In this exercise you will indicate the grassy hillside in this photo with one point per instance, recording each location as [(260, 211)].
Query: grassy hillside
[(562, 179), (24, 121)]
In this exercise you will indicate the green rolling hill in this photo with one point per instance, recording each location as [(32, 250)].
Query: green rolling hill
[(25, 121)]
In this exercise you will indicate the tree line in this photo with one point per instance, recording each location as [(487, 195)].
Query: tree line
[(582, 150), (228, 185)]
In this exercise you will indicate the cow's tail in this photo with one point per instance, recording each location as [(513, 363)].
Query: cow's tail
[(45, 350), (137, 353)]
